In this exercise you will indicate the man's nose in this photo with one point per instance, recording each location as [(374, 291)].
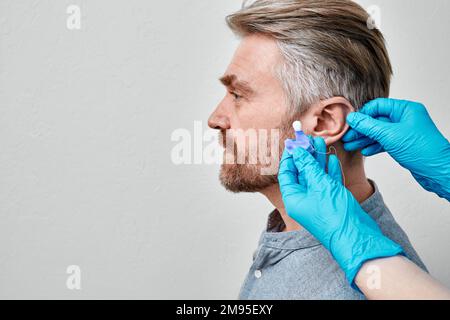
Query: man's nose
[(218, 120)]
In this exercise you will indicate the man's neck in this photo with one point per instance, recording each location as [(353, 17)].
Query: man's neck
[(355, 181)]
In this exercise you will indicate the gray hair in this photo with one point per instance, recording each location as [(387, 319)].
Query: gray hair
[(327, 46)]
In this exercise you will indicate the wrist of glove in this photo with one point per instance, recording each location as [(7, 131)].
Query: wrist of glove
[(356, 246), (436, 178)]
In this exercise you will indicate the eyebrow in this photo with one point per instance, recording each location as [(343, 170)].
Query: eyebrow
[(231, 81)]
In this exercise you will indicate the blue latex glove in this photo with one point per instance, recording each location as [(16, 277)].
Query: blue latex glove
[(320, 203), (406, 131)]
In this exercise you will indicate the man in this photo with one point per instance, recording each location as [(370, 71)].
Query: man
[(314, 61)]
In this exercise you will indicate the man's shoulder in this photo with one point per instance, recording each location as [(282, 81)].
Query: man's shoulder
[(379, 211)]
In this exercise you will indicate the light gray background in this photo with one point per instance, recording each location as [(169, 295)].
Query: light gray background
[(85, 171)]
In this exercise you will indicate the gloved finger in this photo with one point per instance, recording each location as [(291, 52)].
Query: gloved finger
[(385, 107), (384, 119), (320, 148), (310, 173), (368, 126), (288, 176), (353, 135), (287, 173), (372, 150), (381, 107), (334, 168), (358, 144)]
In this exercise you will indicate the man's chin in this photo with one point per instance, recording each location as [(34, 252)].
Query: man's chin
[(245, 178)]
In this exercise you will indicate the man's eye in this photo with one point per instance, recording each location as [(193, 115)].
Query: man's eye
[(236, 96)]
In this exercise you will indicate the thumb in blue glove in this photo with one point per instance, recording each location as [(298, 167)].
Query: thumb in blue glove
[(322, 205)]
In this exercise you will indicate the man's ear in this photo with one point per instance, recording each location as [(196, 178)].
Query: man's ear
[(327, 119)]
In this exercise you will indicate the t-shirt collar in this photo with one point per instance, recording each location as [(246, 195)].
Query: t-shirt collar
[(301, 239)]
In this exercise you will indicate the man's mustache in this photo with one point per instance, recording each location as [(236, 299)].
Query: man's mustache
[(222, 138)]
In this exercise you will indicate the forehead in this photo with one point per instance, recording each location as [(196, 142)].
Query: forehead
[(255, 59)]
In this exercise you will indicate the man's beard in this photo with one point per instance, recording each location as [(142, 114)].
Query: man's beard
[(248, 177), (245, 178)]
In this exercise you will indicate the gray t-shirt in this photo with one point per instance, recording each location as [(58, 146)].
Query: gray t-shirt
[(294, 265)]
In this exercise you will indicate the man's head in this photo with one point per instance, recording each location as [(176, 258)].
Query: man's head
[(313, 60)]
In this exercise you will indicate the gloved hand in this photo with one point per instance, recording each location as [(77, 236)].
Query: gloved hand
[(406, 131), (321, 204)]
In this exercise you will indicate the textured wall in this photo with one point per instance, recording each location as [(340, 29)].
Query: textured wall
[(86, 176)]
